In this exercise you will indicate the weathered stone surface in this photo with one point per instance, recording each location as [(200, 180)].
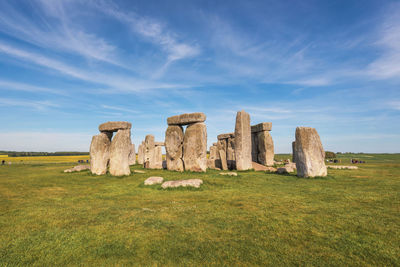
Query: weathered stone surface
[(153, 180), (224, 163), (342, 167), (243, 141), (140, 158), (113, 126), (226, 136), (294, 151), (310, 154), (158, 161), (138, 171), (265, 148), (132, 155), (187, 118), (284, 170), (191, 182), (195, 147), (174, 148), (264, 126), (159, 143), (214, 144), (230, 154), (78, 168), (228, 173), (149, 152), (254, 147), (119, 153), (258, 167), (99, 154), (211, 162)]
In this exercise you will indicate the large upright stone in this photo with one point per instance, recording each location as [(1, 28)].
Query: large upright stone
[(254, 147), (132, 155), (211, 162), (140, 154), (149, 152), (99, 154), (310, 154), (113, 126), (230, 153), (294, 152), (222, 156), (265, 148), (195, 147), (158, 158), (187, 118), (174, 148), (243, 141), (119, 153)]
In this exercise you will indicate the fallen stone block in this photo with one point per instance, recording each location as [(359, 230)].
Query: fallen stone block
[(78, 168), (153, 180), (184, 183), (228, 173), (138, 171), (342, 167)]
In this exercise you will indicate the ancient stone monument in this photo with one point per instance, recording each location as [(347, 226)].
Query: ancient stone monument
[(132, 155), (141, 153), (186, 151), (113, 152), (243, 141), (294, 151), (262, 144), (152, 153), (225, 152), (310, 154)]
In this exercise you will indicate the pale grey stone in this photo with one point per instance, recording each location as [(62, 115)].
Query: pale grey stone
[(153, 180), (191, 182), (119, 153), (342, 167), (294, 151), (99, 154), (187, 118), (113, 126), (138, 171), (159, 143), (158, 161), (195, 147), (132, 155), (149, 152), (310, 154), (78, 168), (265, 148), (226, 136), (230, 154), (243, 141), (224, 163), (254, 147), (264, 126), (228, 173), (174, 148)]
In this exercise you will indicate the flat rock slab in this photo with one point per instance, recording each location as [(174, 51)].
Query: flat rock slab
[(138, 171), (184, 183), (187, 118), (225, 136), (259, 167), (283, 170), (342, 167), (153, 180), (113, 126), (78, 168), (228, 173), (264, 126)]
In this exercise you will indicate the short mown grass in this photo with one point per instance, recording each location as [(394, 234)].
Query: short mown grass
[(51, 218)]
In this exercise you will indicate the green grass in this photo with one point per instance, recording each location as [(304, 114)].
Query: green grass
[(51, 218)]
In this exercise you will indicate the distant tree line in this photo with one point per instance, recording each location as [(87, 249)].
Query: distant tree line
[(34, 154)]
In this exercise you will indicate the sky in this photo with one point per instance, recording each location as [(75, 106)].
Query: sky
[(68, 66)]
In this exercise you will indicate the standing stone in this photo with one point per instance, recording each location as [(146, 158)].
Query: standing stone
[(195, 147), (149, 151), (213, 157), (230, 153), (119, 153), (99, 154), (224, 163), (310, 154), (132, 155), (174, 148), (254, 147), (294, 152), (140, 154), (222, 145), (158, 158), (243, 141), (265, 148)]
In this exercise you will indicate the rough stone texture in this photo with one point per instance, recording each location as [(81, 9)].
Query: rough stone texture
[(254, 147), (265, 148), (153, 180), (284, 170), (211, 162), (228, 173), (159, 143), (99, 154), (310, 154), (187, 118), (230, 154), (158, 161), (132, 155), (195, 147), (119, 153), (191, 182), (149, 152), (243, 141), (138, 171), (174, 148), (342, 167), (140, 158), (264, 126), (78, 168), (258, 167), (113, 126), (224, 163), (294, 151), (226, 136)]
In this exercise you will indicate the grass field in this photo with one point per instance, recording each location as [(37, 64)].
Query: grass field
[(51, 218)]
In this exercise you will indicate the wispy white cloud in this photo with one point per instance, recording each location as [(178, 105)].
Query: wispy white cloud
[(124, 109), (38, 105), (9, 85)]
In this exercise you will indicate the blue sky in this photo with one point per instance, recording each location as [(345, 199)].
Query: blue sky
[(67, 66)]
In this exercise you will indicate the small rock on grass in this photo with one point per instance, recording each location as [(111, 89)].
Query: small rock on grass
[(153, 180), (228, 173), (139, 171), (78, 168), (191, 182)]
